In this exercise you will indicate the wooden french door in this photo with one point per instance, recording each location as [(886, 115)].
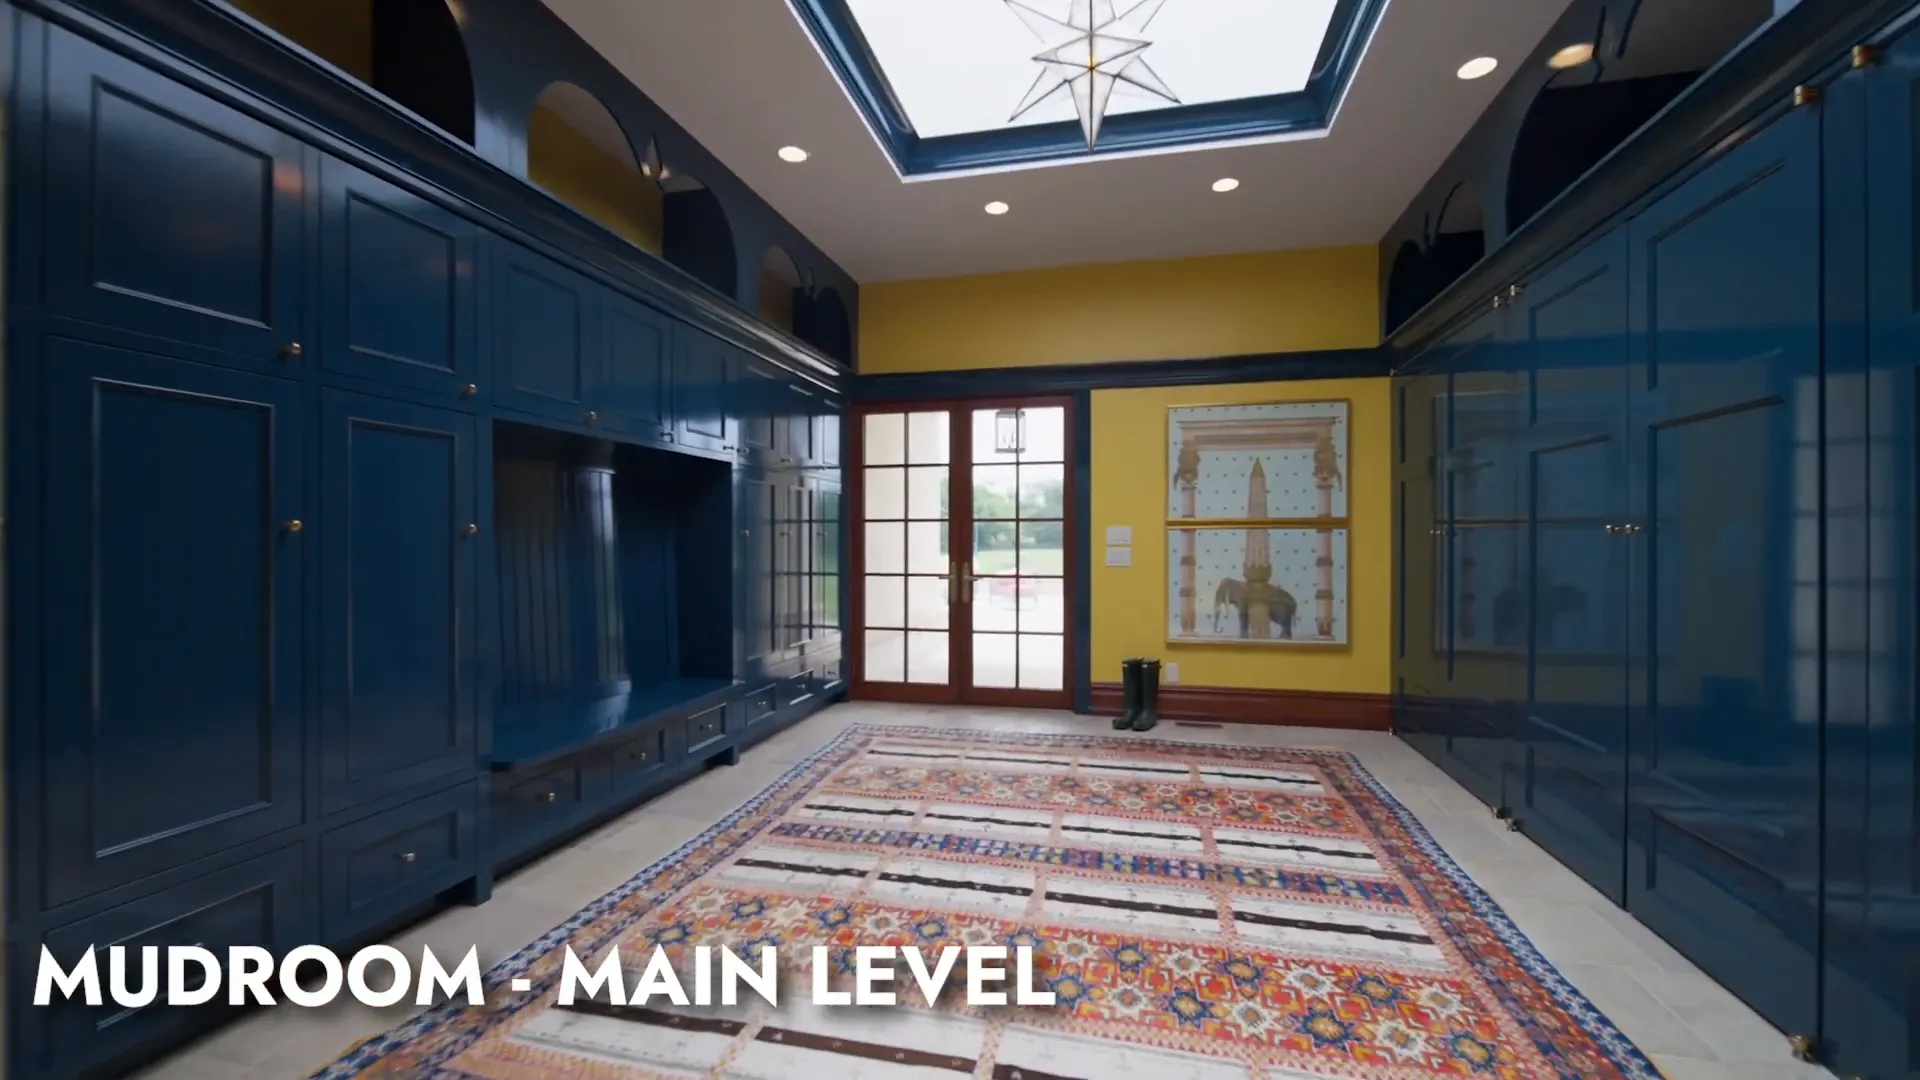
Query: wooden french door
[(960, 552)]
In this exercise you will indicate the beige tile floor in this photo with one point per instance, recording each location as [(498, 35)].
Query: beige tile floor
[(1691, 1026)]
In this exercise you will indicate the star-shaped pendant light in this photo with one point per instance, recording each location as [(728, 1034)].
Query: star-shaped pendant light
[(1092, 48)]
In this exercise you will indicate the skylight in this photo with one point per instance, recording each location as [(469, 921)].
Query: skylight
[(965, 85), (963, 66)]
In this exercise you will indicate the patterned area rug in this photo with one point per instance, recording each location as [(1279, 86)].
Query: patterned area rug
[(1200, 912)]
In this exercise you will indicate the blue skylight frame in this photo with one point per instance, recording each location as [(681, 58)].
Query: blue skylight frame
[(835, 30)]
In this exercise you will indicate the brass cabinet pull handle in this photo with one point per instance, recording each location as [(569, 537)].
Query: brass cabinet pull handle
[(290, 350), (408, 857), (295, 525), (469, 390)]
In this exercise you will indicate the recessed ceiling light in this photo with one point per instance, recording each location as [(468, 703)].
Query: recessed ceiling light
[(1225, 184), (1477, 67), (996, 208), (793, 154), (1571, 57)]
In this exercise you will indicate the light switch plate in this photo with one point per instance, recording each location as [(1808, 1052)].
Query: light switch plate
[(1173, 673)]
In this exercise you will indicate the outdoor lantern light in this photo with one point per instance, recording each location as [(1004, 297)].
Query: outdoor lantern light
[(1010, 431)]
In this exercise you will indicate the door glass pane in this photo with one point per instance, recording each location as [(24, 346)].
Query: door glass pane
[(886, 547), (927, 438), (886, 602), (927, 603), (927, 657), (995, 660), (886, 495), (993, 552), (886, 656), (1019, 502), (927, 493), (886, 439), (1042, 665), (927, 547)]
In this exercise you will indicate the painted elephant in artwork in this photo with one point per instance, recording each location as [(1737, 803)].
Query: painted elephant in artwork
[(1232, 593)]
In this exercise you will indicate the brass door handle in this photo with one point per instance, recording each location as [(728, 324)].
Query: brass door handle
[(966, 583)]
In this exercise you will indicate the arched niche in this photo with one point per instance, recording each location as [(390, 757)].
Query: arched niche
[(580, 155), (1583, 112), (1406, 285), (779, 289), (820, 319), (697, 236), (410, 51), (1459, 237)]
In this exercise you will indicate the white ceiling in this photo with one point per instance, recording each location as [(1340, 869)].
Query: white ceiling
[(746, 79)]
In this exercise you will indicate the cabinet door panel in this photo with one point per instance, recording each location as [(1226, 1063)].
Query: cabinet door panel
[(167, 213), (758, 407), (397, 285), (702, 401), (636, 344), (1724, 856), (760, 498), (398, 596), (173, 716), (1574, 335), (542, 340)]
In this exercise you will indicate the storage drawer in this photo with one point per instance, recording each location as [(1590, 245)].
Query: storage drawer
[(262, 901), (541, 800), (706, 728), (827, 676), (797, 691), (380, 866), (637, 760), (759, 705)]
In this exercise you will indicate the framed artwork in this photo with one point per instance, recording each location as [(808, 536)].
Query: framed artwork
[(1257, 524)]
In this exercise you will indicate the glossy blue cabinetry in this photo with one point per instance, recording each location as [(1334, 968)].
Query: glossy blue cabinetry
[(179, 636), (170, 214), (1704, 629), (397, 535), (398, 278), (361, 547)]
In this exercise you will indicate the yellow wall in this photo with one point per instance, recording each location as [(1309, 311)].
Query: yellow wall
[(587, 178), (339, 33), (1228, 305), (1129, 488)]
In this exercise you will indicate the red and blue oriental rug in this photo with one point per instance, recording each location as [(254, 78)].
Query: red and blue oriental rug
[(1199, 913)]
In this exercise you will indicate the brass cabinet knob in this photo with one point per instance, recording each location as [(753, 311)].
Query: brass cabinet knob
[(1611, 529), (549, 796), (469, 390), (290, 350), (1802, 1047), (592, 416), (1865, 56), (409, 857), (295, 525), (1804, 96), (472, 529)]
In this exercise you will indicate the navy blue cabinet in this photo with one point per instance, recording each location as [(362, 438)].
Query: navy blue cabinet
[(397, 291), (1723, 831), (635, 391), (1871, 943), (544, 336), (705, 410), (1567, 609), (398, 535), (169, 214), (265, 901), (174, 494)]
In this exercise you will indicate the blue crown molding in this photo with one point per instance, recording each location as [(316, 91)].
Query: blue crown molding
[(837, 32), (207, 47), (1807, 44), (1052, 379)]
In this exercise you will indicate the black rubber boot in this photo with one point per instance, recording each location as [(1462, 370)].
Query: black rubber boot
[(1149, 713), (1130, 695)]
